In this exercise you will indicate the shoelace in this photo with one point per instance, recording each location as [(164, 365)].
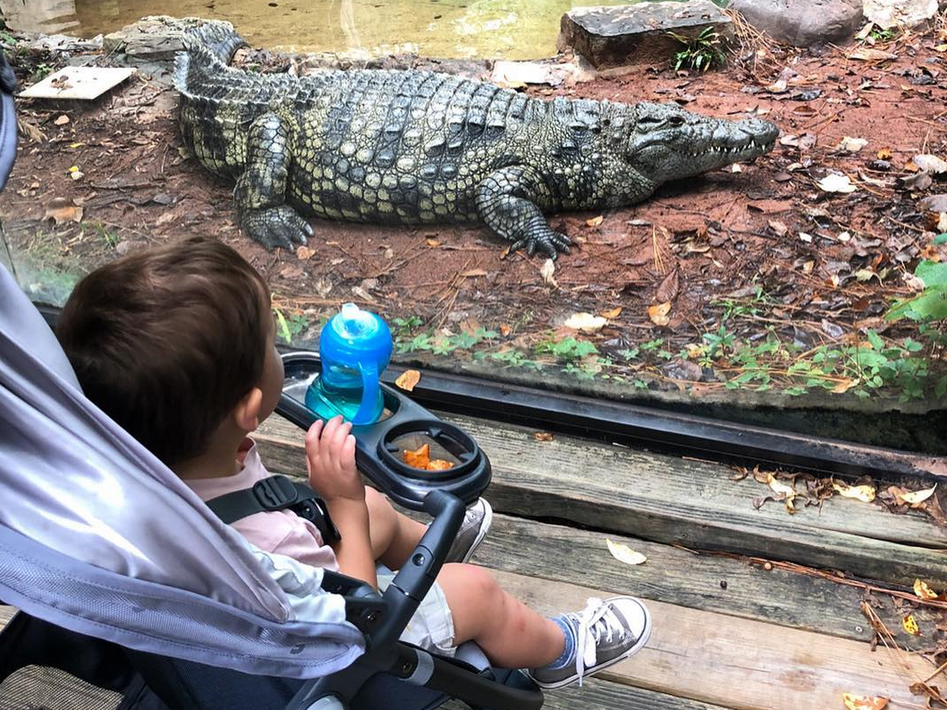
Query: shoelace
[(594, 622)]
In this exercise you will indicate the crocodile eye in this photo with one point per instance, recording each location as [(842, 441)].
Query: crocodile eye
[(676, 120)]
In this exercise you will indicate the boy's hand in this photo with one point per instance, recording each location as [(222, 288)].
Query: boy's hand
[(330, 460)]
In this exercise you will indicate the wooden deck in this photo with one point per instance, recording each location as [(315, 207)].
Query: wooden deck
[(731, 632)]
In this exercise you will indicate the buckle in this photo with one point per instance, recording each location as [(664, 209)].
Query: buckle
[(275, 493)]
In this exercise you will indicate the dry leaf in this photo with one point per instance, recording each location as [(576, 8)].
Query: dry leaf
[(866, 54), (612, 313), (667, 290), (736, 168), (595, 221), (505, 329), (931, 164), (542, 436), (918, 497), (884, 154), (419, 458), (910, 625), (303, 253), (408, 380), (778, 227), (780, 487), (659, 313), (548, 272), (433, 243), (585, 322), (625, 554), (62, 120), (472, 273), (439, 465), (866, 494), (864, 702), (852, 145), (63, 210), (923, 591), (836, 183)]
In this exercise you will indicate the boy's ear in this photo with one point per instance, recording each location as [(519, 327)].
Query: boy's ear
[(247, 412)]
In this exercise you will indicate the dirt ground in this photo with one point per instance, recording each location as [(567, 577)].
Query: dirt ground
[(755, 254)]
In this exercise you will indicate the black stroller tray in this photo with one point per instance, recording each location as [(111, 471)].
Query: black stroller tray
[(404, 426)]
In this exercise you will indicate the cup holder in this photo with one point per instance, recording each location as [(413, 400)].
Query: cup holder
[(429, 440)]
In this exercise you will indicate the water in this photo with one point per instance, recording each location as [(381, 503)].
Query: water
[(510, 29)]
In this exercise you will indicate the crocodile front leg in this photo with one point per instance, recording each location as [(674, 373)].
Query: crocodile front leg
[(261, 190), (505, 202)]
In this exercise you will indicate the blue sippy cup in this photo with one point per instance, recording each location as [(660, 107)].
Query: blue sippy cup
[(354, 347)]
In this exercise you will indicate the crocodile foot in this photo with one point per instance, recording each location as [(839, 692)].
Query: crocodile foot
[(276, 227), (550, 243)]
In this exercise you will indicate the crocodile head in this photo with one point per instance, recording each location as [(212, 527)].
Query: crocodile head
[(669, 143)]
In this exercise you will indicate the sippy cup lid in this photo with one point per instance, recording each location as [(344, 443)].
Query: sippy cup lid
[(356, 334)]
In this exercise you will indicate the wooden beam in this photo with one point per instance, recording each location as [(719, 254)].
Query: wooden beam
[(704, 581), (675, 501), (737, 663)]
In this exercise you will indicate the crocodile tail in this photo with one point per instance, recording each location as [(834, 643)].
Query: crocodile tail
[(208, 45)]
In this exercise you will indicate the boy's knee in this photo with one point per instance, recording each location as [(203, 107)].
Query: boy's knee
[(378, 505), (479, 580)]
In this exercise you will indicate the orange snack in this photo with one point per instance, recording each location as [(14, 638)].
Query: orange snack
[(439, 465), (420, 458)]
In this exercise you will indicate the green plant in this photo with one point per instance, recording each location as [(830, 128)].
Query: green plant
[(879, 34), (931, 303), (289, 326), (699, 53), (41, 72)]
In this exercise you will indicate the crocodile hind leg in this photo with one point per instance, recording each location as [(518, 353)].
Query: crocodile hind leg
[(506, 203), (261, 190)]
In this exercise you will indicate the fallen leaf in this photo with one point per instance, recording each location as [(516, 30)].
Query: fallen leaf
[(667, 291), (542, 436), (923, 591), (778, 227), (866, 54), (866, 494), (505, 329), (595, 221), (852, 145), (918, 497), (548, 271), (612, 313), (472, 273), (931, 164), (864, 702), (304, 253), (408, 380), (805, 237), (625, 554), (910, 625), (659, 313), (75, 173), (586, 322), (940, 48), (419, 458), (736, 168), (433, 243), (62, 210), (884, 154), (836, 183), (780, 487), (62, 120)]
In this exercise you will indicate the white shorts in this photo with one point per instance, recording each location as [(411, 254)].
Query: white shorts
[(432, 626)]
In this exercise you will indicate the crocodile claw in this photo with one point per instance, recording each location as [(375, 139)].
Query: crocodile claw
[(551, 244), (275, 227)]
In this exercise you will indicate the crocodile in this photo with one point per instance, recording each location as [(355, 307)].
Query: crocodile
[(417, 147)]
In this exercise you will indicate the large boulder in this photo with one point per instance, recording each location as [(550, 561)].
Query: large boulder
[(899, 13), (803, 22), (637, 34)]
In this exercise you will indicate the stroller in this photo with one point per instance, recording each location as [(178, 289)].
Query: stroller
[(127, 580)]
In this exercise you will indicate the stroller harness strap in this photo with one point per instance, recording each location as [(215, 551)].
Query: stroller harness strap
[(276, 493)]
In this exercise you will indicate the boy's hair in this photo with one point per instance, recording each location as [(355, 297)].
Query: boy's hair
[(168, 341)]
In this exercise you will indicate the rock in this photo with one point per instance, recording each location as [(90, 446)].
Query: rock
[(637, 34), (803, 22), (903, 13), (156, 37)]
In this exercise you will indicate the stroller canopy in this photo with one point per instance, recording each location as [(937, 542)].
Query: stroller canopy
[(98, 536)]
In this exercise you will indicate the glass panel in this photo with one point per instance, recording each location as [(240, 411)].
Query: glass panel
[(758, 293)]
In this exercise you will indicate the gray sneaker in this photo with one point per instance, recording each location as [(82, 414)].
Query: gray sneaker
[(472, 531), (605, 633)]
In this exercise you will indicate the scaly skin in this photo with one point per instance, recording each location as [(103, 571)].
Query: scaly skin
[(416, 147)]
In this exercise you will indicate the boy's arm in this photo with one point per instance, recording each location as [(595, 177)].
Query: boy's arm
[(330, 459)]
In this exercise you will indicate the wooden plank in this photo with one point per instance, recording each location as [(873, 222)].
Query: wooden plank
[(708, 582), (598, 694), (6, 613), (674, 501), (84, 83), (737, 663)]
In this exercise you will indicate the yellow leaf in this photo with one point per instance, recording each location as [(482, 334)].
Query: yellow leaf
[(408, 380), (864, 702), (505, 329), (780, 487), (625, 554), (910, 625), (659, 313), (940, 48), (923, 591), (542, 436), (303, 253), (433, 243), (585, 322), (595, 221), (866, 494), (918, 497), (884, 154), (612, 313), (843, 386)]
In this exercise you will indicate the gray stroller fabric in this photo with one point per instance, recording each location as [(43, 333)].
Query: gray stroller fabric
[(97, 535)]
